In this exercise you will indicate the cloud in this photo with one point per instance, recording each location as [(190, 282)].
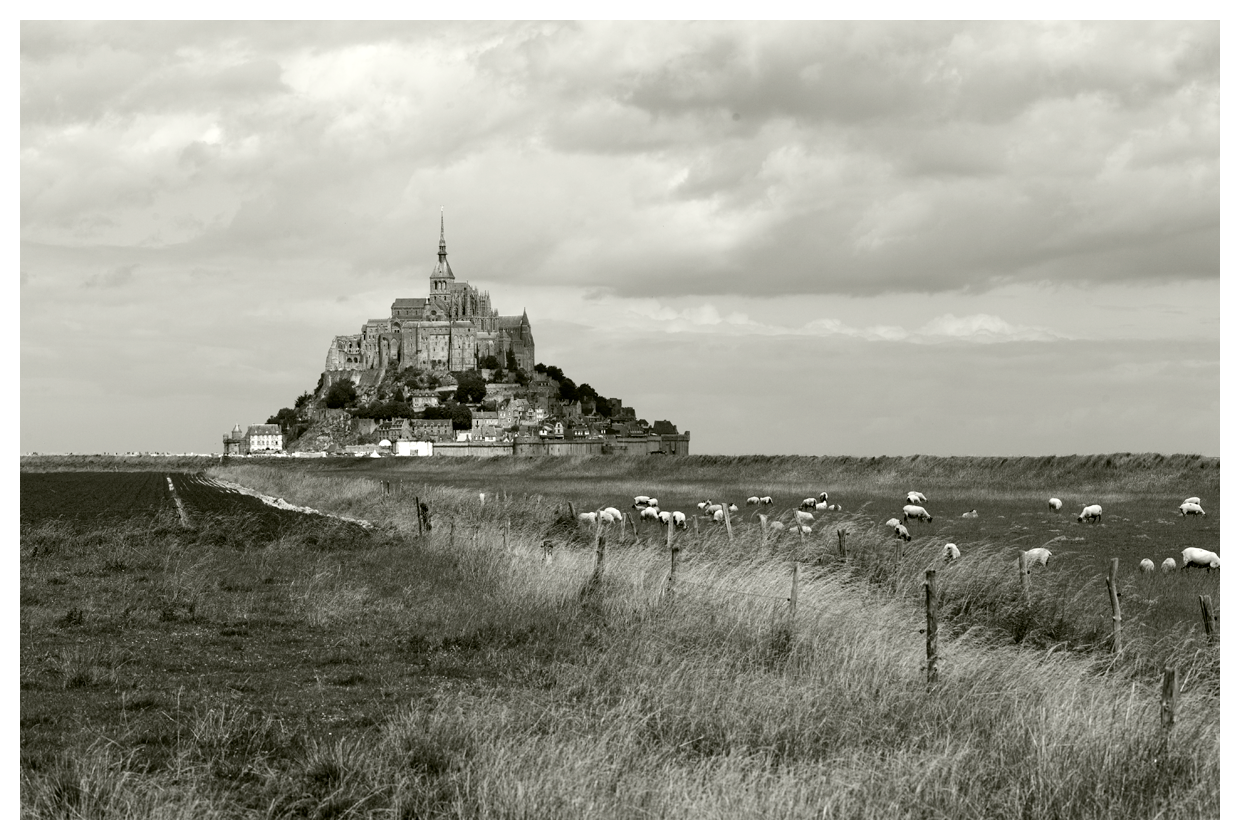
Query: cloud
[(113, 278)]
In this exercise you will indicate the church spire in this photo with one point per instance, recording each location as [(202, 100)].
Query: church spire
[(443, 271)]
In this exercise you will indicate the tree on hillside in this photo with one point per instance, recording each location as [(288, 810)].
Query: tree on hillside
[(540, 368), (341, 394), (510, 360), (522, 377), (302, 400), (490, 363), (568, 390), (470, 387)]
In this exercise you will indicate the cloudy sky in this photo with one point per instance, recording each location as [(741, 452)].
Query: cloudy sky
[(834, 238)]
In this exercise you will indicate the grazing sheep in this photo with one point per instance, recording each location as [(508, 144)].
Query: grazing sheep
[(949, 553), (752, 500), (651, 513), (918, 513), (1191, 509), (1192, 500), (806, 529), (901, 533), (607, 518), (807, 504), (767, 500), (665, 516), (821, 506), (804, 516), (703, 505), (711, 510), (915, 498), (835, 507), (641, 501), (718, 515), (1199, 558), (1168, 565), (1054, 504), (1036, 555), (590, 517), (777, 525), (678, 519), (1147, 566), (654, 503), (732, 508), (1091, 513), (969, 514), (892, 523), (615, 513)]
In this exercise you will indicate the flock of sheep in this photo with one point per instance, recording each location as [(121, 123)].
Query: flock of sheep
[(914, 510)]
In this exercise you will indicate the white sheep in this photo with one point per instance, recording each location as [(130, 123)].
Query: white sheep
[(654, 503), (822, 497), (1192, 500), (1054, 504), (806, 529), (1168, 565), (607, 518), (1199, 558), (804, 516), (807, 504), (1091, 513), (767, 500), (641, 501), (712, 509), (969, 514), (615, 513), (835, 507), (777, 525), (1147, 566), (732, 508), (703, 505), (901, 533), (917, 512), (651, 513), (718, 515), (678, 519), (1191, 509), (892, 522), (665, 516), (950, 553), (915, 498), (752, 500), (590, 516), (821, 506), (1036, 555)]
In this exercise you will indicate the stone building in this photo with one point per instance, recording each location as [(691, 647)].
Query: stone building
[(258, 438), (452, 328)]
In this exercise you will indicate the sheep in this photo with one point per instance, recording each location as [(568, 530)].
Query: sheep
[(1091, 513), (678, 519), (1192, 500), (901, 533), (1147, 566), (1036, 555), (766, 500), (806, 504), (641, 501), (752, 500), (1199, 558), (806, 529), (835, 507), (1191, 509), (950, 553), (1168, 565), (607, 518), (969, 514), (665, 516), (1054, 504), (804, 516), (822, 497), (918, 513), (615, 513), (718, 515), (650, 513), (703, 505), (892, 522), (590, 517), (654, 503), (915, 498), (777, 525), (820, 506), (732, 508)]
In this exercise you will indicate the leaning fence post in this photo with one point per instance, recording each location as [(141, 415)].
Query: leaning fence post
[(792, 599), (932, 629), (1022, 566), (1170, 694), (727, 519), (599, 557), (1116, 620), (417, 503), (1207, 614)]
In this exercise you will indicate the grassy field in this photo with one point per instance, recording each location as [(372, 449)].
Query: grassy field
[(205, 672)]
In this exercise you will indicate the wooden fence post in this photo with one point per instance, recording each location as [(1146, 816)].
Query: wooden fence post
[(670, 593), (792, 599), (599, 557), (546, 551), (1170, 694), (1022, 566), (1207, 614), (452, 532), (572, 512), (727, 519), (507, 527), (932, 629), (1113, 592), (417, 503), (842, 534), (671, 529)]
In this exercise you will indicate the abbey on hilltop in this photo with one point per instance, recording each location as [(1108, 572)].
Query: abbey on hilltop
[(451, 329)]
